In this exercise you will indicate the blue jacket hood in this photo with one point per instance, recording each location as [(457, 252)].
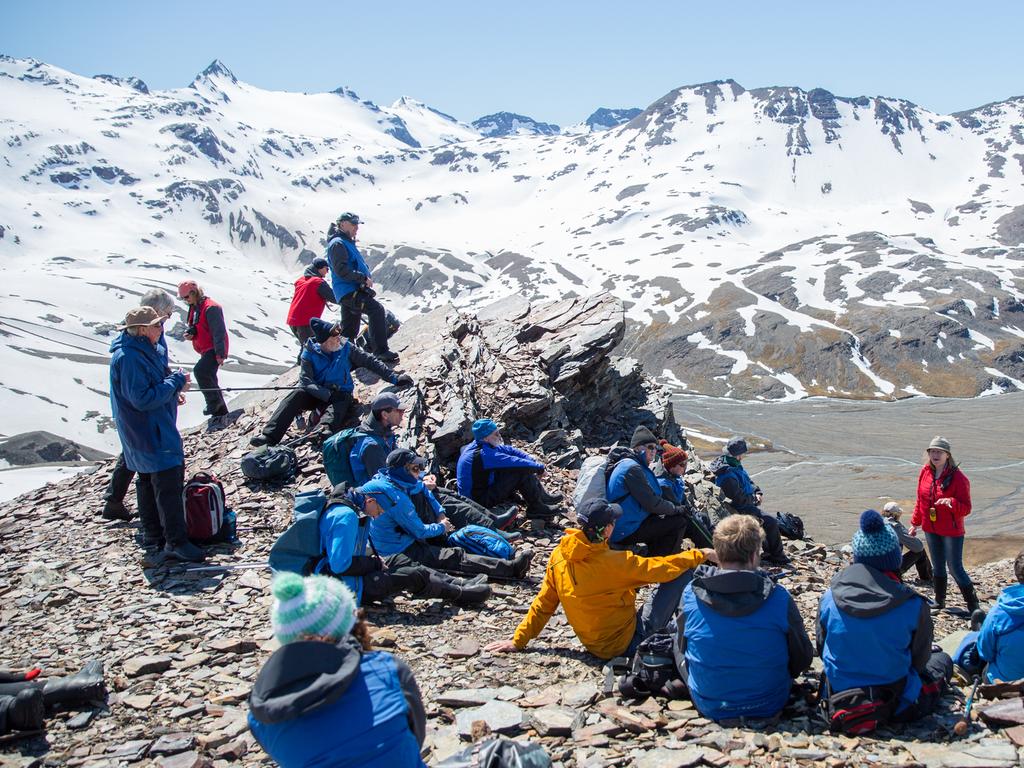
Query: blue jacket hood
[(731, 593), (863, 591), (1011, 600)]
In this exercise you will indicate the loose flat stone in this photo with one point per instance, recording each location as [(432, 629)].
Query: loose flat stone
[(553, 721), (500, 717), (474, 697), (580, 695), (173, 743), (668, 758), (232, 645), (140, 702), (130, 750), (81, 720), (146, 665), (190, 759)]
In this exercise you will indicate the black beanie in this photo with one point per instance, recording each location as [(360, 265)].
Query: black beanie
[(641, 436), (322, 330)]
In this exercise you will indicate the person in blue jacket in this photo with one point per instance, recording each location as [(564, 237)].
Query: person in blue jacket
[(144, 399), (324, 698), (490, 473), (349, 555), (353, 287), (1000, 642), (326, 380), (647, 517), (741, 637), (875, 633), (369, 451), (400, 536), (745, 497)]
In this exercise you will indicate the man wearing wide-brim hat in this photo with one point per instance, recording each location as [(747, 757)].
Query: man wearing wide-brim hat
[(144, 399)]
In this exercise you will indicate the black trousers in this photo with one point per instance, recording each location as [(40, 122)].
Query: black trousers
[(353, 307), (450, 560), (462, 511), (662, 535), (772, 537), (380, 585), (921, 561), (161, 510), (206, 378), (300, 401), (303, 333), (120, 479), (508, 482)]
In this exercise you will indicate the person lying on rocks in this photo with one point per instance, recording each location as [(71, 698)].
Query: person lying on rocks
[(669, 471), (740, 634), (324, 695), (349, 555), (325, 376), (1000, 643), (423, 492), (916, 555), (647, 518), (490, 473), (745, 497), (25, 699), (401, 537), (875, 635), (597, 587)]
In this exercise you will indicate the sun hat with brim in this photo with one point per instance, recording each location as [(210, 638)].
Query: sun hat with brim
[(141, 316), (941, 444)]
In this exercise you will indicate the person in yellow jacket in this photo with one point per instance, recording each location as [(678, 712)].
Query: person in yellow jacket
[(597, 587)]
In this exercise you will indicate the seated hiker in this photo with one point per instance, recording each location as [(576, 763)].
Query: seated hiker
[(349, 554), (745, 498), (25, 698), (875, 637), (376, 437), (597, 587), (647, 517), (326, 380), (312, 294), (916, 554), (669, 471), (1000, 643), (490, 472), (740, 633), (324, 694), (401, 537)]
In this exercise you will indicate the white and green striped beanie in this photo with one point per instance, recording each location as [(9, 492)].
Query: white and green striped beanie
[(314, 606)]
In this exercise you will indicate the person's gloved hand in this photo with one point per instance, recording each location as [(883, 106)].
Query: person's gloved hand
[(404, 380)]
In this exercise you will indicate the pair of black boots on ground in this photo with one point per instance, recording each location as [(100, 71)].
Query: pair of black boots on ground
[(24, 703)]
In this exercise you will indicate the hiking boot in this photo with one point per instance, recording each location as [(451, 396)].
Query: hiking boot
[(506, 519), (940, 593), (551, 498), (474, 581), (151, 540), (387, 356), (115, 510), (217, 423), (521, 563), (977, 619), (510, 535), (185, 551), (258, 441), (970, 597), (542, 511), (24, 711), (471, 595), (84, 687), (777, 561)]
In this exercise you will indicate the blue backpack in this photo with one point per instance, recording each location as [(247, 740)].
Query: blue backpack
[(298, 549), (482, 541)]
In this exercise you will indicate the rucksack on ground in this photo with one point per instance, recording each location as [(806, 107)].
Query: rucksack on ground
[(791, 526), (203, 498), (482, 541), (298, 549), (653, 671), (337, 450), (592, 480), (270, 464), (857, 711)]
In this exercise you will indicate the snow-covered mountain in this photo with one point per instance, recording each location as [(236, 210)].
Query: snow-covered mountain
[(510, 124), (768, 243)]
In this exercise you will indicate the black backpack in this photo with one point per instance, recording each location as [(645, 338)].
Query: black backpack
[(791, 526), (653, 671), (270, 463)]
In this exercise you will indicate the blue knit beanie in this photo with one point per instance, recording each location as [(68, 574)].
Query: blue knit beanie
[(876, 543), (483, 427)]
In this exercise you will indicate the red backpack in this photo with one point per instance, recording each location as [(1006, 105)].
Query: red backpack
[(204, 506)]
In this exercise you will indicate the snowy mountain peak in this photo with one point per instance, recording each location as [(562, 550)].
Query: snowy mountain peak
[(216, 69), (511, 124), (125, 82), (604, 118)]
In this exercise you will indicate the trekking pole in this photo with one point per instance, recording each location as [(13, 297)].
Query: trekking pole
[(228, 567), (242, 389), (964, 723)]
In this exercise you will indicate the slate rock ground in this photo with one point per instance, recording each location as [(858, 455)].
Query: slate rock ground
[(182, 646)]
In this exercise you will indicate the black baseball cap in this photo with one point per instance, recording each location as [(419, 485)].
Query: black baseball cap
[(403, 456), (597, 513)]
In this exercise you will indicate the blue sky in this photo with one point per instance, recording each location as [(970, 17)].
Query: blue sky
[(555, 61)]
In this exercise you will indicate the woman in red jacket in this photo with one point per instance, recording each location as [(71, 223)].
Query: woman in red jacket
[(943, 501)]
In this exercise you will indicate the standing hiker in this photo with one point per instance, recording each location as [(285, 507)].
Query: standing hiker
[(209, 336), (597, 586), (144, 399), (324, 698), (745, 498), (326, 380), (943, 501), (121, 476), (353, 286), (312, 294)]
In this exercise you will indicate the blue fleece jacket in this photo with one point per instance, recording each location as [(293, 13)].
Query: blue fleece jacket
[(1001, 640), (632, 513), (342, 251), (479, 462), (344, 535), (144, 404), (399, 525), (672, 488)]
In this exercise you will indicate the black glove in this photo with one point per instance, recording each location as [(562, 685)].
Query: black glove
[(404, 380)]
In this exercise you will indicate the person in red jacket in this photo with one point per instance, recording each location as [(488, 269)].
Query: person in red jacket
[(943, 501), (209, 337), (312, 294)]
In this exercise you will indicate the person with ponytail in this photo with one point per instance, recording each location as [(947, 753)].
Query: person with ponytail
[(943, 501), (324, 698)]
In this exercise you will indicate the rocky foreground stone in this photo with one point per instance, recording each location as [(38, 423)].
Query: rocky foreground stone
[(182, 645)]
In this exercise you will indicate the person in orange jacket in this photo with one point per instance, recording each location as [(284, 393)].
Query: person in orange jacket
[(597, 587), (209, 337)]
